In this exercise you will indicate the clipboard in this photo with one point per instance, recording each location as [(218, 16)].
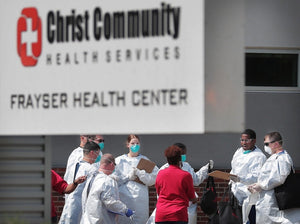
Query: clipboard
[(146, 165), (221, 175)]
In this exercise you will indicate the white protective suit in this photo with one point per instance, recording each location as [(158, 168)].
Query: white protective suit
[(72, 209), (272, 174), (75, 157), (247, 168), (100, 200), (133, 194), (198, 178)]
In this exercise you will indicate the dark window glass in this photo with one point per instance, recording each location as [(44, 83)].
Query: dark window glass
[(266, 69)]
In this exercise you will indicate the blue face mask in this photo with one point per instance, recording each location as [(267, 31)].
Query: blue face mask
[(183, 158), (98, 158), (247, 151), (135, 148), (101, 145)]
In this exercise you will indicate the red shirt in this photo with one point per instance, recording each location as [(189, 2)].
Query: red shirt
[(59, 185), (175, 189)]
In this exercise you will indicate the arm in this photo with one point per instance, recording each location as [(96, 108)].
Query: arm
[(188, 185), (71, 187), (124, 171), (201, 174), (147, 178), (110, 197), (122, 179), (196, 178), (280, 169), (57, 183), (273, 174)]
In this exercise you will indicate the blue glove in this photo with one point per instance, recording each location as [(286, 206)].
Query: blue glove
[(129, 213)]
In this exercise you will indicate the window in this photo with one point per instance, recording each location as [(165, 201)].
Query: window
[(270, 68)]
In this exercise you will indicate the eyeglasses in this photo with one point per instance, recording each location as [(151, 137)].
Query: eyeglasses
[(267, 143), (99, 140), (245, 140)]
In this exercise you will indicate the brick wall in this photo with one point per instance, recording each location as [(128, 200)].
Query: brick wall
[(201, 217)]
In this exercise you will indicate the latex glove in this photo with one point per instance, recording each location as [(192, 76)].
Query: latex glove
[(211, 164), (254, 188), (234, 178), (129, 213), (132, 174), (139, 172)]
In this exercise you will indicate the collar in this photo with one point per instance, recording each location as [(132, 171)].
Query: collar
[(83, 161), (248, 151), (127, 155), (281, 152), (174, 166)]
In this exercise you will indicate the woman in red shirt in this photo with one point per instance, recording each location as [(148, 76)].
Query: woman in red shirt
[(175, 189), (62, 187)]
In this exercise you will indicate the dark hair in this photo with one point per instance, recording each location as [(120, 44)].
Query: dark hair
[(275, 136), (173, 154), (249, 132), (182, 147), (90, 146)]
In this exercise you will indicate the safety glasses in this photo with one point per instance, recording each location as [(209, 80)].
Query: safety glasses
[(245, 140), (267, 143), (99, 140)]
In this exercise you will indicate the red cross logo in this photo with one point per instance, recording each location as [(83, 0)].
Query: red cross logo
[(29, 36)]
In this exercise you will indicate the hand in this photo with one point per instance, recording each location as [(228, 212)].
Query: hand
[(234, 178), (139, 172), (129, 213), (254, 188), (132, 174), (79, 180), (194, 200)]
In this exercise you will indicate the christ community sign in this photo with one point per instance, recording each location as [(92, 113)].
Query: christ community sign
[(114, 67)]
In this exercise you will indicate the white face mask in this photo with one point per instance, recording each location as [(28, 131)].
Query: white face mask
[(268, 150)]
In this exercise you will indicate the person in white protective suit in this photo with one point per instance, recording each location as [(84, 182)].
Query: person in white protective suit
[(77, 155), (100, 197), (273, 173), (72, 209), (246, 164), (198, 178), (134, 194)]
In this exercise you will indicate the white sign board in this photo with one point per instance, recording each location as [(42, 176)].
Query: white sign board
[(114, 67)]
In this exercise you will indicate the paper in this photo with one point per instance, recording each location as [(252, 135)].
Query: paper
[(146, 165), (221, 175)]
